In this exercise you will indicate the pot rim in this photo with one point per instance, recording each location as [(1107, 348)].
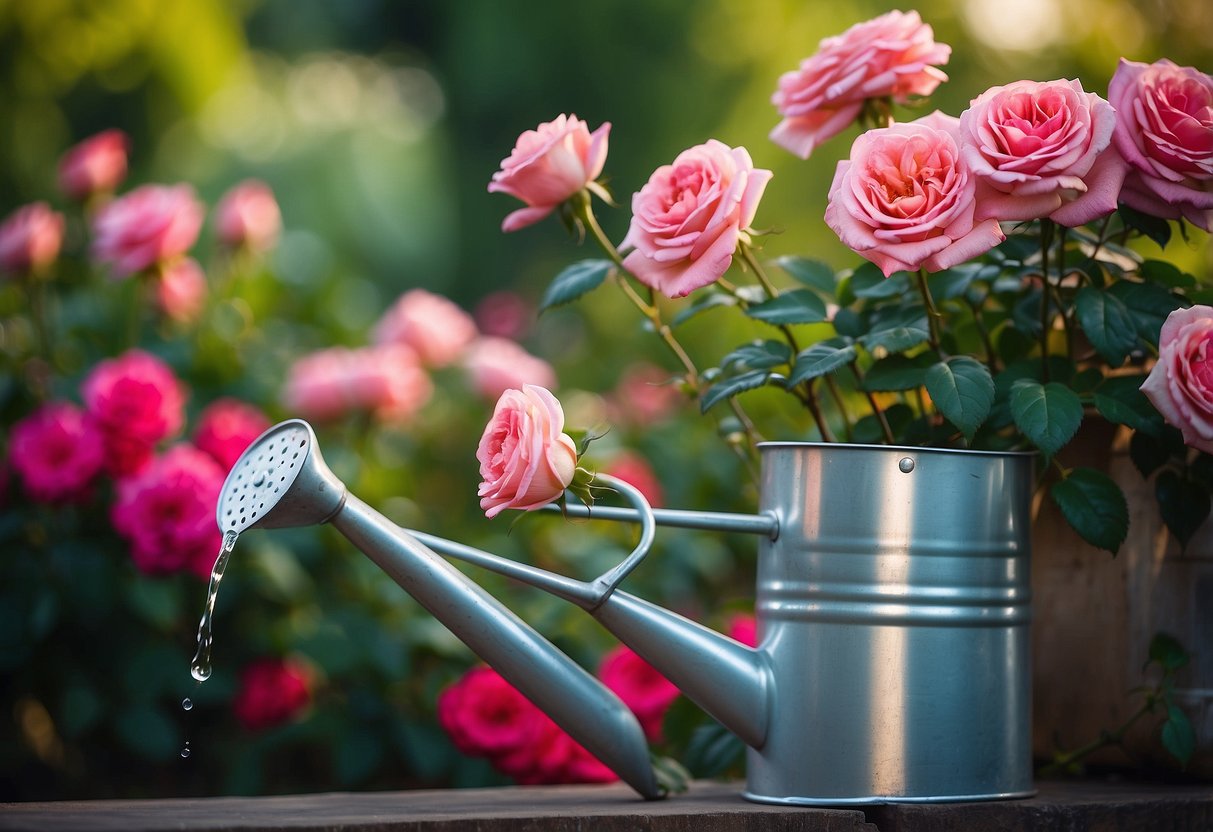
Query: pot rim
[(905, 449)]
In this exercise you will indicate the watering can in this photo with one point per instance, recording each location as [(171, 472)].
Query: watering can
[(892, 606)]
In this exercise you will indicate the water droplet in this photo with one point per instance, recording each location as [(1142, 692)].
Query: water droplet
[(200, 666), (185, 752), (187, 704)]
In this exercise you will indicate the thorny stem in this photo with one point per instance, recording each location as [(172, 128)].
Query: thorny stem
[(1102, 238), (876, 411), (1063, 761), (984, 332), (932, 313)]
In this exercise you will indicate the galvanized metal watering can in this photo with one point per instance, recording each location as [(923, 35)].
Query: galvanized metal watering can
[(892, 604)]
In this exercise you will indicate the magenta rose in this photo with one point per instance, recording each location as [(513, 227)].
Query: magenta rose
[(271, 692), (906, 199), (1164, 130), (57, 452), (548, 165), (485, 715), (1180, 385), (526, 460), (248, 217), (689, 217), (148, 226), (136, 401), (640, 686), (495, 365), (226, 427), (1042, 150), (385, 381), (894, 55), (553, 757), (30, 238), (435, 327), (181, 290), (167, 513), (744, 628), (96, 165)]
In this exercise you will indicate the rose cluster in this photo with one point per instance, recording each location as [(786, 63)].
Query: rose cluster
[(273, 691)]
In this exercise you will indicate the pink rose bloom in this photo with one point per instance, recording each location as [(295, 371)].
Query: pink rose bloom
[(96, 165), (548, 165), (499, 364), (226, 427), (30, 238), (526, 460), (247, 216), (272, 691), (644, 395), (136, 401), (636, 472), (181, 290), (1180, 385), (436, 329), (640, 686), (744, 628), (485, 715), (1042, 150), (147, 226), (385, 381), (689, 217), (906, 199), (894, 55), (1164, 130), (167, 513), (503, 314), (56, 451)]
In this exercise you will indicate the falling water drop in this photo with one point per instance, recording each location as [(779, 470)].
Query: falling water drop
[(185, 752), (187, 704), (200, 667)]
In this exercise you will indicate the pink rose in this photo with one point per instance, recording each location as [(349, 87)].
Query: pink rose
[(894, 55), (636, 472), (1042, 150), (247, 216), (498, 364), (96, 165), (30, 238), (56, 451), (503, 314), (485, 715), (167, 513), (436, 329), (150, 225), (385, 381), (548, 165), (744, 628), (137, 401), (905, 199), (1164, 130), (181, 290), (553, 757), (640, 686), (644, 395), (226, 427), (526, 460), (689, 217), (271, 692), (1180, 385)]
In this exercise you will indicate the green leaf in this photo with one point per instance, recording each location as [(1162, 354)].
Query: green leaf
[(868, 281), (702, 303), (849, 323), (1183, 504), (574, 281), (955, 282), (1177, 735), (1094, 506), (898, 372), (759, 355), (1168, 652), (1149, 305), (1147, 452), (1157, 229), (811, 273), (898, 332), (962, 390), (731, 386), (821, 358), (1107, 323), (713, 750), (1119, 399), (799, 306), (1168, 274), (1048, 414)]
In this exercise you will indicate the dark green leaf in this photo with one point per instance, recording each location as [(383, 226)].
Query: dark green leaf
[(1183, 504), (898, 330), (962, 390), (1149, 305), (1157, 229), (1119, 399), (1017, 248), (955, 282), (1107, 323), (849, 323), (1048, 414), (574, 281), (1168, 652), (1025, 314), (821, 358), (799, 306), (713, 750), (1086, 380), (759, 355), (898, 372), (1177, 735), (1094, 506), (1168, 274), (731, 386), (868, 281), (811, 273), (906, 425), (702, 303), (1147, 452)]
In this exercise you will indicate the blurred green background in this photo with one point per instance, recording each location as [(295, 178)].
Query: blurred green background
[(378, 125)]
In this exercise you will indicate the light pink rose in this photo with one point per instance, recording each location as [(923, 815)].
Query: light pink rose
[(689, 217), (247, 216), (1042, 150), (167, 513), (644, 396), (30, 238), (272, 691), (504, 314), (436, 329), (526, 460), (499, 364), (96, 165), (385, 381), (181, 290), (226, 427), (894, 55), (548, 165), (905, 198), (636, 472), (57, 452), (1164, 130), (1180, 385), (136, 401), (640, 686), (148, 226)]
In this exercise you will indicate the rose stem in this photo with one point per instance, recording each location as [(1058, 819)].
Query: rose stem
[(1046, 240), (932, 313), (876, 411)]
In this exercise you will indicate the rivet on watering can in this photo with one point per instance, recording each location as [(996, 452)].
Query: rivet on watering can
[(906, 465)]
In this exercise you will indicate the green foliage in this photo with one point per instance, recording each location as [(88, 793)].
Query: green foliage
[(1095, 506)]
